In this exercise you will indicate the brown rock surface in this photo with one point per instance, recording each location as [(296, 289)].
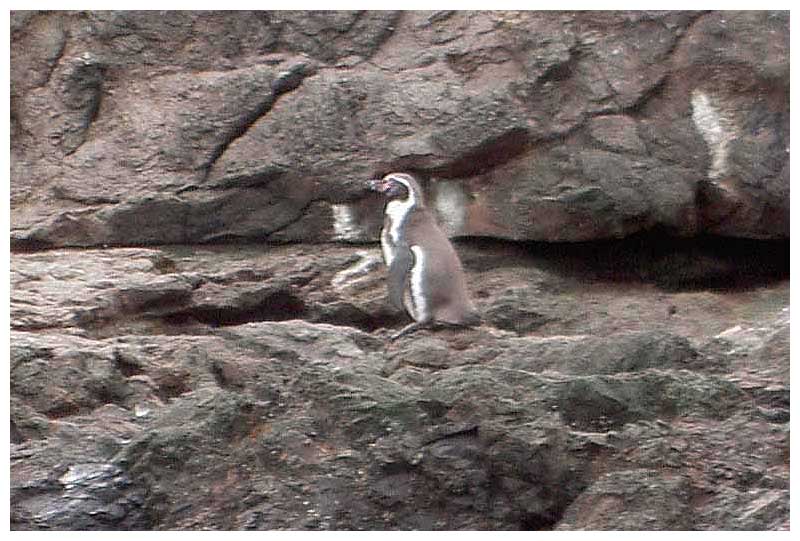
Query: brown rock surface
[(199, 320), (136, 128)]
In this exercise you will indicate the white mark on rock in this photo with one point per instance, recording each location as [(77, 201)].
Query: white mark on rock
[(716, 129), (450, 202), (356, 272), (140, 410), (559, 338), (84, 473), (345, 224), (729, 332)]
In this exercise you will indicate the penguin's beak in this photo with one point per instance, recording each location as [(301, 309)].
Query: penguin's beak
[(377, 185)]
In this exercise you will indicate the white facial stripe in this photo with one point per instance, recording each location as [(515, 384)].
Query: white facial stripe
[(400, 179), (398, 209), (397, 178)]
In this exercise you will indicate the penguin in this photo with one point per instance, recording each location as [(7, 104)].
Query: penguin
[(426, 278)]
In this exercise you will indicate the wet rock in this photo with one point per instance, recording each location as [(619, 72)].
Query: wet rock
[(67, 481)]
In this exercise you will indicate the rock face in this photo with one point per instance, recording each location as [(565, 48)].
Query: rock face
[(254, 388), (199, 323), (140, 128)]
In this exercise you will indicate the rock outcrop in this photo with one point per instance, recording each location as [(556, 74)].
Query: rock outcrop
[(142, 128), (199, 324)]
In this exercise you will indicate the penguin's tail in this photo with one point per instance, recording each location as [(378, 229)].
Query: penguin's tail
[(463, 318)]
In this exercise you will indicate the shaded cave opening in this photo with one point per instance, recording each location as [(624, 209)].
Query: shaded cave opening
[(672, 263), (279, 306)]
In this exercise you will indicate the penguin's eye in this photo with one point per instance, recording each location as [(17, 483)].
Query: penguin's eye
[(397, 189)]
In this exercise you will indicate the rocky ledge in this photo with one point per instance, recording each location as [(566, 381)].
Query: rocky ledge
[(253, 387)]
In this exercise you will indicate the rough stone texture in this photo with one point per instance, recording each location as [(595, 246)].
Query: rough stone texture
[(143, 128), (253, 387), (199, 323)]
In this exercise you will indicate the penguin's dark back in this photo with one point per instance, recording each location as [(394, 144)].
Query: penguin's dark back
[(423, 230), (448, 292)]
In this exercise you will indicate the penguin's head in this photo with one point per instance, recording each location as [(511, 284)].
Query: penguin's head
[(398, 186)]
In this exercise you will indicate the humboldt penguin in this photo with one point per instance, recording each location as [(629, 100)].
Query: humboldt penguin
[(425, 275)]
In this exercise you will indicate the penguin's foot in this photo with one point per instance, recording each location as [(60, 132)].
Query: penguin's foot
[(408, 329)]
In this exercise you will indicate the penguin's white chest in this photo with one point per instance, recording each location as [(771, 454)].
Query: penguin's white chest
[(392, 233), (388, 248)]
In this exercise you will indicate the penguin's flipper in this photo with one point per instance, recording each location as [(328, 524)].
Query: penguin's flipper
[(398, 276)]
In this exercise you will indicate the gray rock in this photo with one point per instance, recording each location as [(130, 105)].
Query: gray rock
[(288, 424), (632, 500)]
